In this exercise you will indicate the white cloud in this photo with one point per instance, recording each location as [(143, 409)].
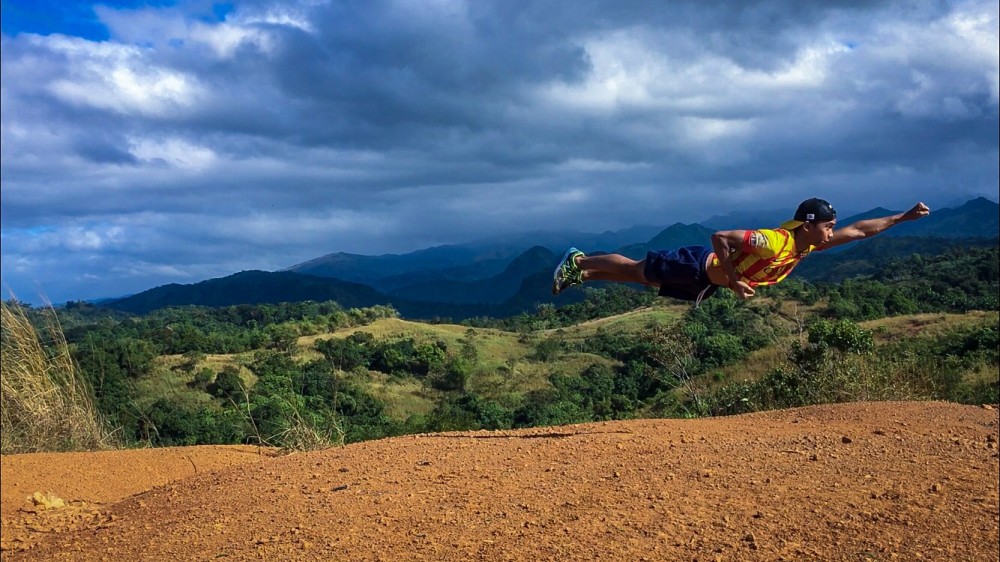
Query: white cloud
[(624, 70), (592, 165), (704, 131), (145, 270), (302, 228), (118, 78), (84, 240), (176, 152), (224, 39), (811, 69), (943, 64), (281, 15)]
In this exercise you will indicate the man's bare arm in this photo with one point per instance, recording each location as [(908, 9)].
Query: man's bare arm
[(722, 242), (868, 228)]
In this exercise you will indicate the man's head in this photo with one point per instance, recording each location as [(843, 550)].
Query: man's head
[(814, 219)]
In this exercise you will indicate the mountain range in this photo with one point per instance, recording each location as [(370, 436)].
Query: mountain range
[(509, 275)]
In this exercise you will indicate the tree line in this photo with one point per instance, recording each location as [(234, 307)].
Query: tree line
[(664, 369)]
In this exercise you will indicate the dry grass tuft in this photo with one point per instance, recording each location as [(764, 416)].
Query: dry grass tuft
[(46, 405)]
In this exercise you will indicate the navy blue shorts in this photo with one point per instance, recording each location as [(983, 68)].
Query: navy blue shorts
[(680, 273)]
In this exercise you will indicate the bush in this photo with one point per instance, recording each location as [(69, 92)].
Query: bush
[(170, 423), (454, 376), (545, 408), (469, 411), (228, 384), (202, 379), (837, 364)]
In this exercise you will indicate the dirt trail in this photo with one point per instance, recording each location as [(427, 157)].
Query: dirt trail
[(857, 482)]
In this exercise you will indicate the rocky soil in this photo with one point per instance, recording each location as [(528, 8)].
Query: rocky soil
[(858, 482)]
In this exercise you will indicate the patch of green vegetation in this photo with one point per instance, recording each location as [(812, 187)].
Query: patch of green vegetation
[(312, 374)]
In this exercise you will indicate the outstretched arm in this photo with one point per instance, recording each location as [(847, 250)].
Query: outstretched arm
[(868, 228)]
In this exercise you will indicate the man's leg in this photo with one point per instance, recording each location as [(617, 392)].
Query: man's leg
[(612, 267)]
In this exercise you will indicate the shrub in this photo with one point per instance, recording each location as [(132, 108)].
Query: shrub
[(228, 384), (469, 411)]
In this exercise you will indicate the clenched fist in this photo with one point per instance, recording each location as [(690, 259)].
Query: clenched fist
[(918, 211)]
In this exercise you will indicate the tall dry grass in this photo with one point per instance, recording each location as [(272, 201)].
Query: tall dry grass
[(46, 405)]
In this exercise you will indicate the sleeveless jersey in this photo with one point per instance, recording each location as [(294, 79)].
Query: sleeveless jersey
[(766, 257)]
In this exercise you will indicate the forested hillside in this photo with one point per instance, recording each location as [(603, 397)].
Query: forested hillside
[(310, 373)]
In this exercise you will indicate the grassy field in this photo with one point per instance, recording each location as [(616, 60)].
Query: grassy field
[(403, 397), (633, 321), (884, 330), (506, 370), (903, 327)]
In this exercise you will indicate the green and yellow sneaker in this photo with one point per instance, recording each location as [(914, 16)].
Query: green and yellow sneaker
[(567, 273)]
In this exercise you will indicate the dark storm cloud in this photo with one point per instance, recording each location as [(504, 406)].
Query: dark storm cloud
[(196, 141)]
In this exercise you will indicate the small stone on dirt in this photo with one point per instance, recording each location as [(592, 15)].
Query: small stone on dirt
[(46, 501)]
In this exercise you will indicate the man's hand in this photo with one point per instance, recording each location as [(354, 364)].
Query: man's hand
[(742, 290), (918, 211)]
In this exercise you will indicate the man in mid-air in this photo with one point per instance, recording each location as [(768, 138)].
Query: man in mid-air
[(738, 259)]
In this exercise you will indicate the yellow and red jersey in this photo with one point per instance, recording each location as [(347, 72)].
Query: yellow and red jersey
[(766, 257)]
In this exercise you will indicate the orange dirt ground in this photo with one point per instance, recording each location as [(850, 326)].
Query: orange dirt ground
[(860, 482)]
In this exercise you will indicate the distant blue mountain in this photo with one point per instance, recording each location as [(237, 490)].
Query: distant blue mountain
[(262, 287), (251, 287), (978, 218), (743, 220), (479, 259), (511, 274), (495, 289), (870, 256), (674, 236)]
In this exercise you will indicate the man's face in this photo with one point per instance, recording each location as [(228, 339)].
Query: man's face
[(820, 232)]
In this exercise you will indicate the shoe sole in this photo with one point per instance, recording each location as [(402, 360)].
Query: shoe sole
[(555, 274)]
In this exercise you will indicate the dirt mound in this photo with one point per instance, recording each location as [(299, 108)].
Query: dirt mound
[(866, 481)]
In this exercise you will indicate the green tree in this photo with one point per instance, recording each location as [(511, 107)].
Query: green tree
[(228, 384)]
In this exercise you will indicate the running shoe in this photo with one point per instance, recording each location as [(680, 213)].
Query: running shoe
[(567, 273)]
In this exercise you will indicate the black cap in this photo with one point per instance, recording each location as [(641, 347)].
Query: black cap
[(811, 210)]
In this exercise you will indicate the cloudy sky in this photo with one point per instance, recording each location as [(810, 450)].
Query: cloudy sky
[(173, 141)]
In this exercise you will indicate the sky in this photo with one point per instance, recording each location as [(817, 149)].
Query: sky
[(146, 143)]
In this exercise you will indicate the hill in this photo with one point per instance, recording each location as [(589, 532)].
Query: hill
[(978, 218), (521, 286), (492, 290), (861, 481), (871, 257), (501, 278), (251, 287), (474, 260), (674, 236)]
